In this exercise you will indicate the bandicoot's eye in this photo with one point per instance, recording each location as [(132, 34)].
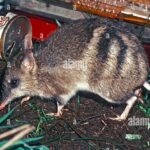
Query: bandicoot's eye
[(14, 83)]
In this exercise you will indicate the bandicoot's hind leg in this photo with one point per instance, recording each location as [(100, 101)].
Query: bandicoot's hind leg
[(124, 115)]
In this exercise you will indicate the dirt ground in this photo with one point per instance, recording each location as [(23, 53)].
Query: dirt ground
[(84, 125)]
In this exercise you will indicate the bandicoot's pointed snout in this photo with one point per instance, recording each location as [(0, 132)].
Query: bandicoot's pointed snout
[(2, 106), (4, 103)]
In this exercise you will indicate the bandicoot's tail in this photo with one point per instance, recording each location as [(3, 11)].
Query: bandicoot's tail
[(147, 85)]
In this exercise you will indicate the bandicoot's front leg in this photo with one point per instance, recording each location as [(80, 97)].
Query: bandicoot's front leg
[(60, 102), (25, 99), (59, 111)]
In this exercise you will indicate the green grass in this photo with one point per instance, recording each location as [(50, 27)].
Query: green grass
[(22, 144)]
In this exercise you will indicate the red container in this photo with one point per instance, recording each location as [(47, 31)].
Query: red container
[(42, 28)]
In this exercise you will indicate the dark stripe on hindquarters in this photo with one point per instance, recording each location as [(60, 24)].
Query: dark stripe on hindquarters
[(122, 53), (104, 44)]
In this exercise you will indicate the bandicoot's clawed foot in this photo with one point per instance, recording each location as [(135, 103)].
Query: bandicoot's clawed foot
[(55, 114), (25, 99), (58, 114), (118, 118)]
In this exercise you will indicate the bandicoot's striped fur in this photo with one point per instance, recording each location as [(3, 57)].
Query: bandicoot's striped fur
[(92, 55)]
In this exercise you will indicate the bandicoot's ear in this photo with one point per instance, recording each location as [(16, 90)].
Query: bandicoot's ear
[(27, 42), (28, 63)]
